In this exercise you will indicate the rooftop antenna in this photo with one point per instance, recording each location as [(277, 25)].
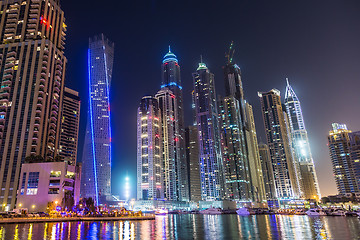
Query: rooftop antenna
[(287, 81), (229, 56), (201, 60), (169, 49)]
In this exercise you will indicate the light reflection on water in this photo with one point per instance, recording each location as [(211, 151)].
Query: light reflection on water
[(193, 227)]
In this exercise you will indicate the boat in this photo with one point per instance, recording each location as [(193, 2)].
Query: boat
[(315, 212), (243, 212), (337, 212), (212, 211), (161, 212), (300, 211)]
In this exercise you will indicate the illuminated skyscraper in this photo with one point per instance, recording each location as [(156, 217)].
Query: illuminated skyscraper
[(211, 173), (246, 128), (284, 168), (268, 174), (341, 143), (32, 63), (170, 147), (171, 80), (237, 182), (355, 155), (192, 154), (70, 121), (149, 166), (257, 179), (301, 146), (96, 179)]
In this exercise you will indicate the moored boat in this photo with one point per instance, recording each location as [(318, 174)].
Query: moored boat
[(212, 211), (337, 212), (243, 212), (315, 212), (161, 212)]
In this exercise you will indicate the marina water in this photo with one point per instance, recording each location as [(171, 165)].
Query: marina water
[(189, 226)]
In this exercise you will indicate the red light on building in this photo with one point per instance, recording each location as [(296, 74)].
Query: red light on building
[(176, 139)]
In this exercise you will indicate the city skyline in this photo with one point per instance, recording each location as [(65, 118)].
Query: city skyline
[(262, 71)]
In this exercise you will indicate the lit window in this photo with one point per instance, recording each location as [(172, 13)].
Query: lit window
[(55, 173)]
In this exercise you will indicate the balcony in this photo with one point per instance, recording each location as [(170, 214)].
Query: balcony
[(7, 77)]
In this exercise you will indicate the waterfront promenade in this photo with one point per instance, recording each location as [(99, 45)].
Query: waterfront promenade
[(74, 219)]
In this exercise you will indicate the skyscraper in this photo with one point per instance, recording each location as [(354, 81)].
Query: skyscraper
[(301, 146), (268, 174), (32, 61), (70, 125), (171, 79), (278, 142), (96, 179), (257, 179), (234, 88), (237, 182), (170, 147), (192, 154), (211, 174), (149, 166), (355, 155), (344, 167)]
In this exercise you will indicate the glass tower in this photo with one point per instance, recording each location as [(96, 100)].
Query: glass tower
[(342, 147), (149, 166), (171, 80), (96, 179), (235, 165), (301, 145), (284, 168), (210, 158), (170, 144)]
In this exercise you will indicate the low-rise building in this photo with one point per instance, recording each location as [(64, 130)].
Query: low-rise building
[(44, 182)]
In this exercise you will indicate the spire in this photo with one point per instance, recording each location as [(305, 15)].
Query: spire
[(289, 92), (230, 54), (201, 64), (170, 57)]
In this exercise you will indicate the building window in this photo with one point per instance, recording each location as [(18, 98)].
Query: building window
[(68, 184), (23, 184), (54, 183), (33, 183), (70, 175), (53, 191), (55, 173)]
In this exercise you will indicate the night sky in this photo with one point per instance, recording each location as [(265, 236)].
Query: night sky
[(313, 43)]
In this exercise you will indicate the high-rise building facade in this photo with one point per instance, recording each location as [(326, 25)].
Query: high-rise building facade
[(192, 154), (342, 147), (283, 164), (32, 72), (70, 121), (355, 155), (301, 145), (170, 144), (237, 182), (268, 174), (234, 88), (211, 173), (149, 164), (171, 80), (257, 179), (96, 179)]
